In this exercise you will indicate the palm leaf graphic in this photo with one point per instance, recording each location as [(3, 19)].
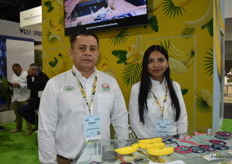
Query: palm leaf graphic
[(51, 40), (208, 62), (131, 73), (171, 10), (120, 38), (202, 105)]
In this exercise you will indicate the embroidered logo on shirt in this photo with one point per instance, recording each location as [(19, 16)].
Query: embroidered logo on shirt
[(106, 87), (68, 88), (149, 96)]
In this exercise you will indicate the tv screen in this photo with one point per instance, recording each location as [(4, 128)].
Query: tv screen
[(99, 15)]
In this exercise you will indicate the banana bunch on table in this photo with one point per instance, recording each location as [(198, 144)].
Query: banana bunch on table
[(153, 146)]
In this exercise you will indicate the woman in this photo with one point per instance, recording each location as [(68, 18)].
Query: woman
[(156, 104)]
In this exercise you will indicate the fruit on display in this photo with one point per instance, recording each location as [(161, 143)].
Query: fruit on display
[(153, 140), (128, 149), (155, 145), (160, 151)]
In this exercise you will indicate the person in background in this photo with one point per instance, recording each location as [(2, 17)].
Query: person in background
[(36, 82), (20, 95), (79, 105), (156, 106)]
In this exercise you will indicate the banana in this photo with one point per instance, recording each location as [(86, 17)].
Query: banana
[(155, 145), (153, 140), (128, 149), (177, 66), (147, 145), (160, 151), (204, 19)]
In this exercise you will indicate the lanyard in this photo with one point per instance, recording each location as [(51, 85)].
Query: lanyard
[(159, 104), (83, 90)]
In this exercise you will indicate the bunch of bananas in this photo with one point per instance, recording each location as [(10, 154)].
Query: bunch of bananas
[(179, 59), (153, 146), (59, 64)]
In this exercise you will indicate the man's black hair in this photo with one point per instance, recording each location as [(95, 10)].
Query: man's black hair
[(84, 32)]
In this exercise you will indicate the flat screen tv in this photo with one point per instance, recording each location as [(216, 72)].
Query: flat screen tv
[(99, 15)]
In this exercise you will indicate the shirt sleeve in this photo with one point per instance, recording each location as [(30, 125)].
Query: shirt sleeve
[(182, 124), (47, 125), (136, 125), (119, 115), (23, 83)]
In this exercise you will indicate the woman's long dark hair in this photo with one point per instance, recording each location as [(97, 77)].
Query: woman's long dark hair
[(146, 83)]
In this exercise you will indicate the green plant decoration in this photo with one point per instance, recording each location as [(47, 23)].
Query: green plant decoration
[(121, 54), (184, 91), (53, 63), (209, 26), (131, 73), (120, 38), (49, 5), (171, 10), (153, 23), (208, 62)]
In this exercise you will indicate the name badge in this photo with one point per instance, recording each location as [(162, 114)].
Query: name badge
[(162, 128), (92, 127)]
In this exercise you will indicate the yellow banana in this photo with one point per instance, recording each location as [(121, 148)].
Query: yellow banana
[(155, 145), (177, 66), (146, 145), (153, 140), (204, 19), (161, 151), (128, 149)]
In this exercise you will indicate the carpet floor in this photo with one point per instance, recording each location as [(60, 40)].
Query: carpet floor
[(18, 148), (226, 125)]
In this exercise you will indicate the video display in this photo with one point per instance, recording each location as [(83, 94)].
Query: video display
[(99, 15)]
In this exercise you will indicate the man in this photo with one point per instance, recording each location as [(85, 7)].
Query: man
[(36, 81), (20, 95), (79, 105)]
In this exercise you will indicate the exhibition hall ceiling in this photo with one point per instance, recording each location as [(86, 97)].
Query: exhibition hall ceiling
[(10, 9)]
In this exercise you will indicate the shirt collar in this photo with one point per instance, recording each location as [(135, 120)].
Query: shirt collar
[(79, 75), (156, 83)]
